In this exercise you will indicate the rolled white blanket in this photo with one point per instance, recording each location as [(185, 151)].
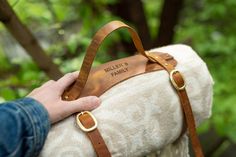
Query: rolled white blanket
[(177, 149), (140, 115)]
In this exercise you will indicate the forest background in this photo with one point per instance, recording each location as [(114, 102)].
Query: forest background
[(64, 29)]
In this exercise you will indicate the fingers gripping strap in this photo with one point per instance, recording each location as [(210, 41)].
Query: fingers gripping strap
[(97, 40)]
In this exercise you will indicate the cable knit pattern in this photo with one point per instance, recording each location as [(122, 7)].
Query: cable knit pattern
[(142, 114)]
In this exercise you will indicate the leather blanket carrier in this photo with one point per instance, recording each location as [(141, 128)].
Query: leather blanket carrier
[(96, 81)]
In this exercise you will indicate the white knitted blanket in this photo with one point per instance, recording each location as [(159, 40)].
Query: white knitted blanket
[(141, 115)]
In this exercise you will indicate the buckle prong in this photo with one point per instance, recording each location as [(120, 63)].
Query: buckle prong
[(82, 126)]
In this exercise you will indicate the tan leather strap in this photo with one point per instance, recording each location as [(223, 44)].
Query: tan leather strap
[(98, 38), (107, 75), (88, 121), (178, 83)]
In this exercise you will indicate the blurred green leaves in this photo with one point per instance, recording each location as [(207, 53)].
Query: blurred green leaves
[(208, 27)]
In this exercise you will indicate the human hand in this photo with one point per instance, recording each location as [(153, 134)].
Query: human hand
[(49, 94)]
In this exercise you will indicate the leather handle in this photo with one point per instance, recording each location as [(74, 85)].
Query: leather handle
[(75, 90)]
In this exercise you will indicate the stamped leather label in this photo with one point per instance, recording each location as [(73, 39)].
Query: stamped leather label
[(117, 69)]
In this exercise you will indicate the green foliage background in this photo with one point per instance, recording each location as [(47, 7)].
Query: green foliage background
[(207, 25)]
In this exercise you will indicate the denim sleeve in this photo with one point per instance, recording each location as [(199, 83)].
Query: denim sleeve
[(24, 125)]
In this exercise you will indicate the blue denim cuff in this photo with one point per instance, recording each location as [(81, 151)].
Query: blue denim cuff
[(38, 123)]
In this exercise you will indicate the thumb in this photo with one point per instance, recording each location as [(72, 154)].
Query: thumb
[(83, 104)]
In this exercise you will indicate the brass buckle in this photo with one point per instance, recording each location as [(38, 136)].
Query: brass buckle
[(82, 126), (173, 81)]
